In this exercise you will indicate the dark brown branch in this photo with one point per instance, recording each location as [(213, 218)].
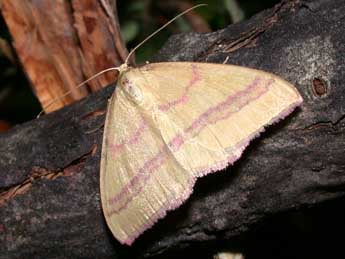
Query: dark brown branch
[(49, 168)]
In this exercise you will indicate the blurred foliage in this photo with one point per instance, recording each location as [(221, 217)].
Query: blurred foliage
[(138, 18)]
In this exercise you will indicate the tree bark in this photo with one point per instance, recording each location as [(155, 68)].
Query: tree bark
[(49, 168), (61, 43)]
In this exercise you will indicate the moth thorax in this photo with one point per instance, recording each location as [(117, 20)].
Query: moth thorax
[(131, 89)]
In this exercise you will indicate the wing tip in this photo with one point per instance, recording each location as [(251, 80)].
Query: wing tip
[(286, 111)]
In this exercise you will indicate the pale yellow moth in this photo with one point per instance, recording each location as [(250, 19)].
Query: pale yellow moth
[(169, 123)]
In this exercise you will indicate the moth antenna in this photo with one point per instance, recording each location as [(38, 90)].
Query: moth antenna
[(161, 28), (78, 86)]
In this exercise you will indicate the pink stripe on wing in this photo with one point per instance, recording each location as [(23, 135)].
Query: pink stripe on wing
[(144, 174), (184, 97), (133, 139), (176, 142), (202, 119)]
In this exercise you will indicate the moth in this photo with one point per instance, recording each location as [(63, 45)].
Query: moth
[(169, 123)]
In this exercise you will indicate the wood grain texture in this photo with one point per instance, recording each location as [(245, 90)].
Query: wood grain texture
[(61, 43), (49, 168)]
